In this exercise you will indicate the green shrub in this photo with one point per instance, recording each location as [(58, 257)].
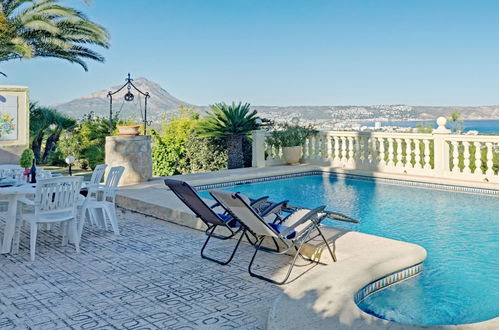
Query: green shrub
[(86, 142), (26, 159), (168, 150), (206, 154), (291, 135)]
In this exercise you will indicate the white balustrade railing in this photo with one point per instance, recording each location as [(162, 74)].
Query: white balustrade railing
[(437, 155)]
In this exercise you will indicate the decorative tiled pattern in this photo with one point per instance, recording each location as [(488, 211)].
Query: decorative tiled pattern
[(255, 180), (437, 186), (149, 277), (387, 281)]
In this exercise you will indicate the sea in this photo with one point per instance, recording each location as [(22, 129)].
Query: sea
[(482, 126)]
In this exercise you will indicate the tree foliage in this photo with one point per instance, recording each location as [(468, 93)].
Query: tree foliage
[(46, 28), (169, 150), (45, 127), (86, 142)]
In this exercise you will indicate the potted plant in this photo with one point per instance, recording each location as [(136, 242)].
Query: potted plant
[(26, 160), (291, 138), (128, 127)]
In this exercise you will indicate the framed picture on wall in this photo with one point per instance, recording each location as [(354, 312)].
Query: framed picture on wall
[(8, 117)]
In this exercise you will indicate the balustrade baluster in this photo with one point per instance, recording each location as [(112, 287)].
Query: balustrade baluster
[(455, 157), (408, 153), (367, 154), (351, 152), (417, 154), (382, 162), (391, 163), (343, 151), (490, 159), (427, 159), (337, 156), (358, 153), (324, 154), (478, 158), (374, 152), (399, 163), (466, 168), (329, 140), (310, 147), (317, 146)]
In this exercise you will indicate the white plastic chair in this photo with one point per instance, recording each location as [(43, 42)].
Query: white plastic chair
[(95, 180), (103, 203), (55, 202)]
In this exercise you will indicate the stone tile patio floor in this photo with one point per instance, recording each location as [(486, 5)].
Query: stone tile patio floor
[(151, 276)]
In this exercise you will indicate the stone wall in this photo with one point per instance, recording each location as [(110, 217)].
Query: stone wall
[(132, 152)]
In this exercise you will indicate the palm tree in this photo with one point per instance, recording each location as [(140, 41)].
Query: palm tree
[(44, 28), (46, 123), (232, 123)]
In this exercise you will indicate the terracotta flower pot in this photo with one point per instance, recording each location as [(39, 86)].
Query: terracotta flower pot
[(128, 130), (291, 155)]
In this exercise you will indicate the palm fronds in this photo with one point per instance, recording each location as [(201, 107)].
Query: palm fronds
[(45, 28), (227, 120)]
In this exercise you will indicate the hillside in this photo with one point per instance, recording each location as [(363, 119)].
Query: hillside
[(159, 103)]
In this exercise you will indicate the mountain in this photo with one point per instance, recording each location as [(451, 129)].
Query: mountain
[(159, 103)]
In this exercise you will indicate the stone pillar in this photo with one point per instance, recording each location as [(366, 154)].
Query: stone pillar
[(441, 148), (14, 123), (258, 147), (132, 152)]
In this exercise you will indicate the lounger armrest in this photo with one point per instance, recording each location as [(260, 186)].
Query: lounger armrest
[(307, 217), (215, 205), (340, 217), (274, 208), (259, 201)]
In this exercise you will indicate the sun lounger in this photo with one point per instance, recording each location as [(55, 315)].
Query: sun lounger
[(293, 231), (217, 220)]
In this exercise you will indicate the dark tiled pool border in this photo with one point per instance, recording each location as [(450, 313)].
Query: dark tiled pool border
[(437, 186), (386, 281)]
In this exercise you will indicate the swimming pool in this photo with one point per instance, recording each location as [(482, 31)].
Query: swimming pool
[(460, 280)]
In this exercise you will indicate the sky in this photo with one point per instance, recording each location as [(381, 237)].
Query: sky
[(286, 52)]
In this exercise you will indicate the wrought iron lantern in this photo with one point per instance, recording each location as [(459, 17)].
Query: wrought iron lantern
[(129, 97)]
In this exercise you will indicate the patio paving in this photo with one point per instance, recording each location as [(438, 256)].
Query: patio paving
[(149, 277)]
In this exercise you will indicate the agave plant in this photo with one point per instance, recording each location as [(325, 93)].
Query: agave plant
[(45, 28), (231, 122)]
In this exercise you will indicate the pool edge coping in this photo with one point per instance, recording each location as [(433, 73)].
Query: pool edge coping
[(224, 177)]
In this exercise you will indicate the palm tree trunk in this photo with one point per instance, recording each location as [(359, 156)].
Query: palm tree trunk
[(50, 146), (36, 146), (235, 151)]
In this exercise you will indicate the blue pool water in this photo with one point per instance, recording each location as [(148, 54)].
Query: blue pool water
[(460, 231)]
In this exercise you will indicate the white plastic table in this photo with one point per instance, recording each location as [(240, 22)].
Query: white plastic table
[(13, 194)]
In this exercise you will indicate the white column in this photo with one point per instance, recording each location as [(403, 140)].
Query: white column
[(258, 148)]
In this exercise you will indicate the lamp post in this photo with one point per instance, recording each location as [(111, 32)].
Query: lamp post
[(70, 161)]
